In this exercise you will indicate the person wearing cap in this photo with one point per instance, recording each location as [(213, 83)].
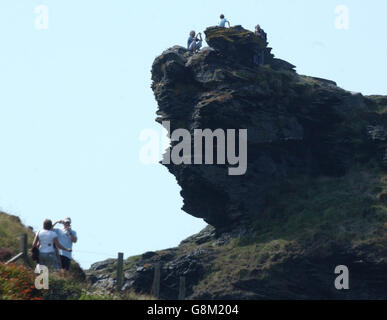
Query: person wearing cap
[(66, 237)]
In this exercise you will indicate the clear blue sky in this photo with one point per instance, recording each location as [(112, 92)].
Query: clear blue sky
[(75, 97)]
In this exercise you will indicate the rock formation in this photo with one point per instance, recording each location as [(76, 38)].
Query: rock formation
[(313, 197), (296, 124)]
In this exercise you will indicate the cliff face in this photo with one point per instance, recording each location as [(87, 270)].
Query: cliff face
[(313, 197), (11, 228), (296, 125)]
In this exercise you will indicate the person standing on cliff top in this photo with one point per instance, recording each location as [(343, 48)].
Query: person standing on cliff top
[(259, 57), (260, 33), (194, 42), (223, 21)]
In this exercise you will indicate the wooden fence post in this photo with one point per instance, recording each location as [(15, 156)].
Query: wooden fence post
[(156, 281), (23, 247), (182, 288), (120, 264)]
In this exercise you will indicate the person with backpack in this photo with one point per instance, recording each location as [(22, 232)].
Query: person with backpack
[(46, 241), (259, 57)]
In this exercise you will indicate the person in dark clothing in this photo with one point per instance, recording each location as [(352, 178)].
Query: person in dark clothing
[(260, 33), (259, 57)]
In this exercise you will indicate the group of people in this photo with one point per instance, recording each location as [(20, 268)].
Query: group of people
[(195, 41), (52, 247)]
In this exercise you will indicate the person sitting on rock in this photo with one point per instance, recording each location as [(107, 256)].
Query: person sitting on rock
[(194, 42), (259, 57), (223, 21)]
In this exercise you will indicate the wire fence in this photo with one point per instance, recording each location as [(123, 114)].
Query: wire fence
[(97, 255), (23, 254), (157, 289)]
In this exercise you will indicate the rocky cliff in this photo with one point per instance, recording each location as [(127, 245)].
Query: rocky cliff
[(297, 125), (313, 195)]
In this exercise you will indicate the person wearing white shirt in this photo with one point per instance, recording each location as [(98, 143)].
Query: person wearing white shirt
[(47, 242)]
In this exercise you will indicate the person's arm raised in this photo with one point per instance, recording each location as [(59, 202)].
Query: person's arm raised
[(59, 221)]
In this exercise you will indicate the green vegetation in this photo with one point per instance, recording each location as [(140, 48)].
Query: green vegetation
[(309, 215), (334, 208), (114, 296), (17, 282), (381, 102), (11, 229), (233, 34)]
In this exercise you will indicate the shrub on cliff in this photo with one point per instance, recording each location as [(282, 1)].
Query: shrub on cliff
[(60, 288), (17, 283)]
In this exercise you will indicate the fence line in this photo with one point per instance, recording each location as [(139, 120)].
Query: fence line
[(156, 284), (182, 288), (120, 264), (156, 281), (23, 249), (155, 290), (94, 253), (15, 258)]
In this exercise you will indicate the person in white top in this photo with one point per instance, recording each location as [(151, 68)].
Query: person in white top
[(47, 242)]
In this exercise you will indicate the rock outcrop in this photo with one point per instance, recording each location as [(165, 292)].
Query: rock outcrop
[(314, 195), (296, 124)]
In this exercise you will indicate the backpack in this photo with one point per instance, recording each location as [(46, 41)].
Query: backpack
[(263, 35), (35, 253)]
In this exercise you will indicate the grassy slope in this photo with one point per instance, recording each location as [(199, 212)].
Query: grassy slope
[(73, 287), (10, 230), (381, 101), (309, 218)]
